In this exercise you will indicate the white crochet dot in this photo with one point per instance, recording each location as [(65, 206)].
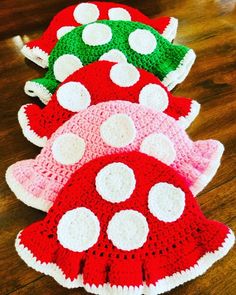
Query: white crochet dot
[(85, 13), (78, 229), (124, 74), (115, 182), (73, 96), (142, 41), (64, 30), (68, 148), (96, 34), (114, 55), (166, 202), (128, 230), (154, 96), (118, 130), (160, 147), (65, 65), (119, 14)]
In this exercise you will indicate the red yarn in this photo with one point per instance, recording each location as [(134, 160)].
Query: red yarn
[(65, 18), (170, 247), (95, 77)]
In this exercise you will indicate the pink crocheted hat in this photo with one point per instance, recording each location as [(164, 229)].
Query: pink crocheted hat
[(108, 128), (73, 16), (124, 224), (113, 82)]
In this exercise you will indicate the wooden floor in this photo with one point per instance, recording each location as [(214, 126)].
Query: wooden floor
[(209, 27)]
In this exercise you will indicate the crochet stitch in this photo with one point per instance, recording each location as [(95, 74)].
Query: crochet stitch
[(149, 237), (105, 129), (79, 91), (137, 43), (73, 16)]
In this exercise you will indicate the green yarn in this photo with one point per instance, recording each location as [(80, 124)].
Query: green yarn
[(165, 58)]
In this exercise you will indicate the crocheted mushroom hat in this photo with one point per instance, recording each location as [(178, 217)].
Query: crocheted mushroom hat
[(105, 129), (73, 16), (78, 91), (135, 42), (124, 224)]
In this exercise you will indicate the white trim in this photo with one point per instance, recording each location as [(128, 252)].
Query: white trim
[(209, 173), (36, 55), (40, 57), (186, 120), (27, 52), (23, 195), (30, 134), (180, 73), (171, 29), (34, 89), (163, 285), (47, 268)]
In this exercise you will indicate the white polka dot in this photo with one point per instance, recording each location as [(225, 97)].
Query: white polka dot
[(64, 30), (85, 13), (68, 148), (128, 230), (119, 14), (65, 65), (114, 55), (78, 229), (115, 182), (73, 96), (124, 74), (154, 96), (118, 130), (96, 34), (166, 202), (160, 147), (142, 41)]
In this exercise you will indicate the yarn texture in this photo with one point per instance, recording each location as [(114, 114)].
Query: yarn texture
[(139, 44), (79, 91), (126, 246), (73, 16), (105, 129)]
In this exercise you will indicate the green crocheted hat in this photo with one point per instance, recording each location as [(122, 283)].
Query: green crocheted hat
[(119, 41)]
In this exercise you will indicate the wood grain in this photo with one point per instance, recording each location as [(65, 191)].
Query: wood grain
[(209, 27)]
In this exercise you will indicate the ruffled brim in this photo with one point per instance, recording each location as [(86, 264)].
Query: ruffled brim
[(30, 134), (210, 171), (161, 286), (35, 89), (185, 121), (36, 55), (180, 73), (171, 29), (22, 177)]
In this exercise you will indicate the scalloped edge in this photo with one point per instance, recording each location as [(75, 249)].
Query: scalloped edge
[(40, 57), (27, 52), (210, 172), (30, 134), (163, 285), (181, 72), (36, 55), (35, 89), (170, 31), (185, 121), (24, 196)]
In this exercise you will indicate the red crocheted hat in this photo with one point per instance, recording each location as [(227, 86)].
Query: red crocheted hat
[(113, 82), (38, 50), (124, 224)]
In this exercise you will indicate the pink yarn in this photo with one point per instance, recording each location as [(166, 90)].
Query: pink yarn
[(43, 177)]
